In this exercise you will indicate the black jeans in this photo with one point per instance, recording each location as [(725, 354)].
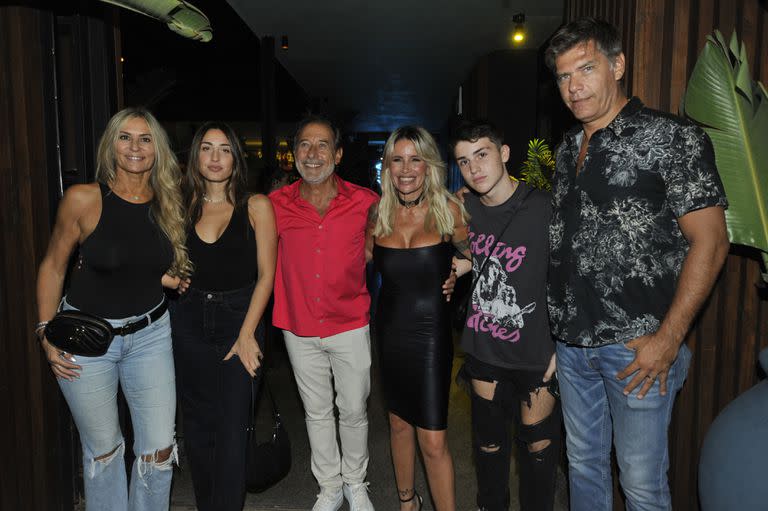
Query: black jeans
[(214, 395), (490, 428)]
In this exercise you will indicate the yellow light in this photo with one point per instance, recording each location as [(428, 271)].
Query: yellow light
[(518, 33)]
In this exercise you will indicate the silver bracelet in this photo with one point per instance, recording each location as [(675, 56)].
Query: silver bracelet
[(40, 327)]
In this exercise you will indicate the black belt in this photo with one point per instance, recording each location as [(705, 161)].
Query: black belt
[(132, 328)]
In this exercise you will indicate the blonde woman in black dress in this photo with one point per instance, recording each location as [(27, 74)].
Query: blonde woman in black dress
[(418, 229)]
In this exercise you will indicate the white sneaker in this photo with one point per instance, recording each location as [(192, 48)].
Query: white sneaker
[(329, 499), (357, 496)]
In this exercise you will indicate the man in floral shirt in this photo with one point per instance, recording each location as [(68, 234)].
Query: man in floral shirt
[(637, 239)]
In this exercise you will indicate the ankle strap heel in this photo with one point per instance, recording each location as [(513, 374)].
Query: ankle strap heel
[(416, 496)]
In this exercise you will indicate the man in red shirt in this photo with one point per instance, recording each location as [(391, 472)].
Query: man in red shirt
[(322, 304)]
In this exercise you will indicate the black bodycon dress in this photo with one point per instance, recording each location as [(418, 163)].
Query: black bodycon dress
[(414, 332)]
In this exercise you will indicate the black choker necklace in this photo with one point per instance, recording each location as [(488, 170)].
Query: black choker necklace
[(410, 203)]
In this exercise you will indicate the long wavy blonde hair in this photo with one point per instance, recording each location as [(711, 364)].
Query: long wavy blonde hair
[(167, 208), (439, 217)]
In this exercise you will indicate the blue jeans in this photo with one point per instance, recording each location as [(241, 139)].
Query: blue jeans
[(215, 395), (142, 364), (595, 408)]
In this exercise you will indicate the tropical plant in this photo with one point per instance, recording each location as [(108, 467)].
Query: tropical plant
[(538, 167), (181, 17), (733, 110)]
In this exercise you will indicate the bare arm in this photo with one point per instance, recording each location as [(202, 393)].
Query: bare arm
[(705, 231), (460, 240), (70, 228), (373, 215), (262, 219)]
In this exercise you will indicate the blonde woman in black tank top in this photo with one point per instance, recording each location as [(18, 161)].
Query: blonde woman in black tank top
[(217, 323), (129, 230)]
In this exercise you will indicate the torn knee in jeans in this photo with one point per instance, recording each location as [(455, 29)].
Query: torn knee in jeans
[(538, 436), (99, 463), (490, 449), (538, 446), (162, 459)]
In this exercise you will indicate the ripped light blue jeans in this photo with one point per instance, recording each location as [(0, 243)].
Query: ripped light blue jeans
[(142, 364)]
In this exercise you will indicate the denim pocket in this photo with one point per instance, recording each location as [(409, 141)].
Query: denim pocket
[(675, 378), (236, 307), (624, 345)]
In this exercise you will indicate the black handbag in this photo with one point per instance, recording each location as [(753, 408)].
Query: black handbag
[(79, 333), (270, 461)]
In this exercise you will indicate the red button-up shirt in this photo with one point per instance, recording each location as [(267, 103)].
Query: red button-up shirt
[(320, 278)]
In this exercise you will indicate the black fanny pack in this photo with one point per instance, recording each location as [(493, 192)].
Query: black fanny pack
[(81, 333)]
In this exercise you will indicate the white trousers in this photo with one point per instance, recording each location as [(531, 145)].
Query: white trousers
[(320, 365)]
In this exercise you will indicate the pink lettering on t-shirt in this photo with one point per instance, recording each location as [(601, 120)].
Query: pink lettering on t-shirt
[(481, 322), (481, 244)]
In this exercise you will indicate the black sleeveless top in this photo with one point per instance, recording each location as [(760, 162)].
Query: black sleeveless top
[(229, 262), (121, 261)]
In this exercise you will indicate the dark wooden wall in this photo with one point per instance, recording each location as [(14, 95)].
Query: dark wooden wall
[(662, 39), (57, 91), (37, 469), (499, 88)]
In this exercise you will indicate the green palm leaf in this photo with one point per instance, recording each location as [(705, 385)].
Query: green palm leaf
[(181, 17), (733, 110), (538, 167)]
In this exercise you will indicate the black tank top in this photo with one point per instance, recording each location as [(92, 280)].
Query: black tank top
[(121, 261), (229, 262)]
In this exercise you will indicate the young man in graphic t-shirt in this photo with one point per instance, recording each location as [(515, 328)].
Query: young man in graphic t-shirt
[(509, 351)]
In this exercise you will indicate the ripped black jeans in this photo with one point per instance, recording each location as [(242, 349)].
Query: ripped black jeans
[(492, 441)]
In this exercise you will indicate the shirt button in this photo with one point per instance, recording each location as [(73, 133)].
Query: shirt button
[(317, 251), (317, 275), (317, 299), (319, 226), (322, 320), (209, 296)]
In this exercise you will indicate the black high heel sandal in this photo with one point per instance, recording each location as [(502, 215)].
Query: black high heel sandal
[(415, 494)]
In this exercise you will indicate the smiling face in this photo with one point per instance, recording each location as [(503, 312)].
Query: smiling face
[(407, 169), (315, 154), (215, 158), (589, 84), (134, 147)]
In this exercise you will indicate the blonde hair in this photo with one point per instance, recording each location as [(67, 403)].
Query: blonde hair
[(167, 208), (439, 216)]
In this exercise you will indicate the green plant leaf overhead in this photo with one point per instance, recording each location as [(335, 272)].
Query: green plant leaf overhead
[(183, 18), (733, 110)]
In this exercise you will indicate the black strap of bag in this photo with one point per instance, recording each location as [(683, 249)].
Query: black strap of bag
[(526, 191)]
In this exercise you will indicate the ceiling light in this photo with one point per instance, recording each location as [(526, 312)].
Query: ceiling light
[(519, 32)]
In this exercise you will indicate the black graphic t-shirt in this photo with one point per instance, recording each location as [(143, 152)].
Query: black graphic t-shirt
[(507, 324), (616, 246)]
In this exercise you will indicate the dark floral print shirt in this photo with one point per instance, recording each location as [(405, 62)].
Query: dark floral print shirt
[(616, 249)]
